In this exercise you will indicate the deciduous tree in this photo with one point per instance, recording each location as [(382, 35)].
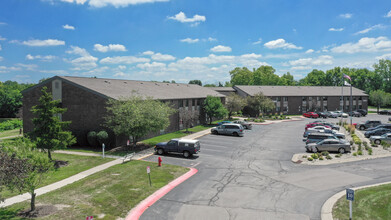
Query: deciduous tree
[(234, 103), (195, 81), (137, 116), (214, 108), (260, 103)]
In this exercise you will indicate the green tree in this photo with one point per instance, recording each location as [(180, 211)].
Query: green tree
[(214, 108), (23, 167), (260, 103), (378, 98), (265, 75), (383, 69), (241, 76), (314, 78), (49, 131), (11, 98), (234, 103), (195, 81), (287, 80), (135, 116), (209, 85)]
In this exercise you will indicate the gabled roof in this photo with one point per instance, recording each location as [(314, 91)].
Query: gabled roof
[(300, 90), (222, 89), (116, 88)]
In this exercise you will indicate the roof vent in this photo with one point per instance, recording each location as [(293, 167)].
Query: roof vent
[(126, 82), (106, 81), (141, 83)]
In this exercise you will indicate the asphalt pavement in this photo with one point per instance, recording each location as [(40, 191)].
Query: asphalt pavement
[(252, 177)]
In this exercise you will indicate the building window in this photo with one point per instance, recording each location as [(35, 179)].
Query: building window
[(198, 102), (309, 98), (278, 109), (360, 98), (180, 103), (317, 98), (303, 99), (193, 101), (285, 99), (324, 98), (187, 103), (278, 98)]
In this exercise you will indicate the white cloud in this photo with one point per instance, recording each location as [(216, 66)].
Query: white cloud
[(211, 39), (1, 58), (0, 47), (39, 57), (3, 38), (259, 41), (251, 56), (27, 66), (221, 48), (189, 40), (150, 66), (44, 43), (121, 67), (120, 3), (75, 1), (85, 61), (374, 27), (123, 60), (384, 56), (68, 27), (181, 17), (388, 15), (321, 60), (365, 44), (148, 53), (3, 23), (309, 51), (280, 43), (301, 68), (110, 47), (6, 69), (347, 15), (162, 57), (336, 29)]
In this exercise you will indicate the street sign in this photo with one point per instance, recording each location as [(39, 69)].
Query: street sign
[(350, 194), (148, 169), (149, 175)]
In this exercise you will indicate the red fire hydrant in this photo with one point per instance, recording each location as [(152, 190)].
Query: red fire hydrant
[(159, 161)]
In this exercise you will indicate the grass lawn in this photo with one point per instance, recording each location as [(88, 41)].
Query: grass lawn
[(111, 193), (371, 203), (381, 108), (9, 133), (76, 164)]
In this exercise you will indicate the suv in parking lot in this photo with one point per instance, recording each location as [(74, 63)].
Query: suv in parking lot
[(185, 146), (230, 129), (316, 137), (368, 124)]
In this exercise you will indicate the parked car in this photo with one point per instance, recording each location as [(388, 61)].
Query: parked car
[(384, 112), (332, 115), (368, 124), (389, 119), (229, 129), (341, 114), (316, 121), (326, 131), (316, 137), (186, 147), (377, 132), (363, 112), (378, 139), (311, 115), (320, 127), (223, 122), (387, 126), (354, 114), (333, 126), (322, 114), (245, 124), (329, 145), (315, 124)]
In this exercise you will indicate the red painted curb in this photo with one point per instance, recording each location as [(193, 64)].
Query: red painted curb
[(137, 211)]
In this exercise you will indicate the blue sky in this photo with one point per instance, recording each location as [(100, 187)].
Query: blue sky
[(188, 39)]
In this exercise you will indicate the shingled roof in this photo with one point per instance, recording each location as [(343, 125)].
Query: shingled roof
[(299, 90), (116, 88)]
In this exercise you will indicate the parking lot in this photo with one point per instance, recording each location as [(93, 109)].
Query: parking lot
[(252, 177)]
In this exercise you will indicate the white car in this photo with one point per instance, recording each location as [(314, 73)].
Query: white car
[(318, 128), (341, 114)]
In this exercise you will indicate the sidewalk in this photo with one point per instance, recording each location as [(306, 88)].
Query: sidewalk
[(9, 137), (59, 184)]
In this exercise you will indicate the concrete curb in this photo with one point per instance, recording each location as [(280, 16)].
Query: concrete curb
[(327, 208), (296, 158), (137, 211)]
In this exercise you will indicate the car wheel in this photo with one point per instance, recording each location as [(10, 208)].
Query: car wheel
[(315, 150), (341, 150), (215, 132), (362, 127), (186, 154), (377, 142), (160, 151), (236, 134)]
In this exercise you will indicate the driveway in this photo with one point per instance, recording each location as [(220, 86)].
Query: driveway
[(252, 177)]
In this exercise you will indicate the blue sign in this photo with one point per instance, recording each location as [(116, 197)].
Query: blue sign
[(350, 194)]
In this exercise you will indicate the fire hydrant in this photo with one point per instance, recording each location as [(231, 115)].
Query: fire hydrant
[(159, 161)]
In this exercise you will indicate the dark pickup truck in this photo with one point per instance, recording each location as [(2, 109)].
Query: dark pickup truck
[(185, 146)]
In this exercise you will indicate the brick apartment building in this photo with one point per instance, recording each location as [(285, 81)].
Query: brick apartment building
[(294, 100), (85, 100)]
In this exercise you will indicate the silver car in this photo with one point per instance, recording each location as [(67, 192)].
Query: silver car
[(379, 139), (329, 145), (229, 129)]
